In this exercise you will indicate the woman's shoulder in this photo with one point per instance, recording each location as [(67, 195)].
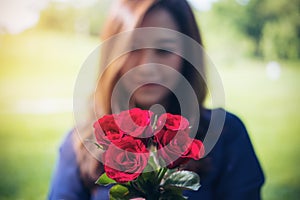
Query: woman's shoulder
[(230, 125), (67, 144), (234, 163), (229, 117), (66, 182)]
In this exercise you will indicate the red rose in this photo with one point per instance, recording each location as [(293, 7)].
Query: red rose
[(107, 131), (168, 125), (172, 122), (173, 141), (135, 122), (126, 161), (180, 149)]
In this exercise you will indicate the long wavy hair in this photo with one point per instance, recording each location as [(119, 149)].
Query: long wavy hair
[(127, 15)]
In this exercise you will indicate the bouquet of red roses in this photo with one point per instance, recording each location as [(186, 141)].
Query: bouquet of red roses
[(143, 153)]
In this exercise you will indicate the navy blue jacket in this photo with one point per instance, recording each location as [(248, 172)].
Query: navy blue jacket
[(230, 171)]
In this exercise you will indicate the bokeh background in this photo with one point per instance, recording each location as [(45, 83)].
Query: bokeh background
[(253, 43)]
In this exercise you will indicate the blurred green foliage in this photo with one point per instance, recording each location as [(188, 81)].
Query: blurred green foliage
[(67, 17), (273, 26), (60, 17)]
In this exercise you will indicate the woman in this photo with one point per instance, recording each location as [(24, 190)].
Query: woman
[(229, 171)]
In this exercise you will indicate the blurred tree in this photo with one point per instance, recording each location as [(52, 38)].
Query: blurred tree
[(70, 17), (273, 26), (58, 16), (281, 33), (97, 15)]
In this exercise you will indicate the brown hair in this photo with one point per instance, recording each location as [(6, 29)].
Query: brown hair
[(127, 15)]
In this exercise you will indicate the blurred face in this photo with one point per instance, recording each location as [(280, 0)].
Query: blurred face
[(151, 73)]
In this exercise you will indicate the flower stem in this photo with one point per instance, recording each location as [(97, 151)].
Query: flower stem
[(161, 174), (154, 123)]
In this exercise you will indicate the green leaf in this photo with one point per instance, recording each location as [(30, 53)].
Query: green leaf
[(170, 171), (150, 167), (119, 192), (183, 179), (151, 171), (147, 177), (153, 160), (105, 180)]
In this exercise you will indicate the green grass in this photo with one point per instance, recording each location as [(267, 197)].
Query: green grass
[(29, 145), (36, 66), (270, 110)]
